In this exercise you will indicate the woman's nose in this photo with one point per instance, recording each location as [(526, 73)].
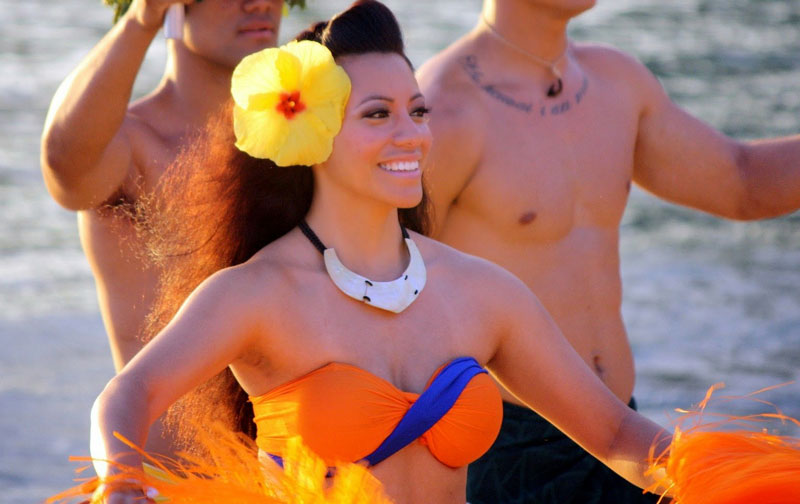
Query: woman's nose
[(410, 133)]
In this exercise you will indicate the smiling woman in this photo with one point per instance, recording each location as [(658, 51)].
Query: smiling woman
[(378, 155), (239, 202)]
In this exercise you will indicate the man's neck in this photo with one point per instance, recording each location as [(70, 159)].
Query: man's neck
[(536, 29), (196, 85)]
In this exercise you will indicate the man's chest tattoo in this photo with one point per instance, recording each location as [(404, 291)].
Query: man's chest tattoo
[(543, 108)]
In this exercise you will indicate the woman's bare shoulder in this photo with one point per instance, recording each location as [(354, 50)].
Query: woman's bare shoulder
[(276, 271), (483, 278)]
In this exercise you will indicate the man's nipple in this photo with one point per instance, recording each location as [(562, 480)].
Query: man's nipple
[(527, 218)]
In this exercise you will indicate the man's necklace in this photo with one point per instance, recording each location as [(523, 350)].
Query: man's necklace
[(555, 88)]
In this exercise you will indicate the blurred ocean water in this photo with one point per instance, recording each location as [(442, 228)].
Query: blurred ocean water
[(705, 300)]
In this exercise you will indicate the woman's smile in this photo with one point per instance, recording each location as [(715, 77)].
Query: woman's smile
[(402, 168)]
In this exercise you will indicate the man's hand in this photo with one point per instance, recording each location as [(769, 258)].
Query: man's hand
[(150, 13)]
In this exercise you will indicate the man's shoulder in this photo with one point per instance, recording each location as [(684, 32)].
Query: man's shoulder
[(150, 115), (597, 53), (457, 105), (611, 62), (156, 133), (445, 78), (441, 65)]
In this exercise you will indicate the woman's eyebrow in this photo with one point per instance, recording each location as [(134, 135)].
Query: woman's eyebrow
[(387, 99), (377, 97)]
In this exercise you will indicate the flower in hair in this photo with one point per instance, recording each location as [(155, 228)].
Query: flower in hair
[(289, 103)]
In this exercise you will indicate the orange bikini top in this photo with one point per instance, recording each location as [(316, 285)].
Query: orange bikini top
[(344, 413)]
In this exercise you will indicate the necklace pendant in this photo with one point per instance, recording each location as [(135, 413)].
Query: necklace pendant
[(394, 296), (555, 89)]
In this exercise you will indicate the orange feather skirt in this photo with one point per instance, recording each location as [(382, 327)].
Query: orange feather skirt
[(706, 463)]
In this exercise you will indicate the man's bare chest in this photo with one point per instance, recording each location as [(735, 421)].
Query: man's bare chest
[(549, 165), (548, 175)]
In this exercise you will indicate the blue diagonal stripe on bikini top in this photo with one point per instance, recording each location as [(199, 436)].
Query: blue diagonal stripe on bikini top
[(429, 408)]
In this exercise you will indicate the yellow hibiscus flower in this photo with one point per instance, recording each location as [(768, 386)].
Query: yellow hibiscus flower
[(289, 103)]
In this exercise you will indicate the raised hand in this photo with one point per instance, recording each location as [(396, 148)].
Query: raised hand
[(150, 13)]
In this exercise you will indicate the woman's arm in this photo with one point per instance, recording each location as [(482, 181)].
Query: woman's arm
[(212, 329), (539, 366)]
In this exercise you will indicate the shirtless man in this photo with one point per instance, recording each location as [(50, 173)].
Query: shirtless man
[(99, 152), (531, 168)]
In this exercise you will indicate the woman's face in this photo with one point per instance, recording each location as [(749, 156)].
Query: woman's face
[(384, 138)]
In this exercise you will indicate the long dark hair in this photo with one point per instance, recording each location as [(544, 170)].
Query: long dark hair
[(217, 206)]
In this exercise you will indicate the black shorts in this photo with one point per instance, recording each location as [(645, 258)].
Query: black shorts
[(532, 462)]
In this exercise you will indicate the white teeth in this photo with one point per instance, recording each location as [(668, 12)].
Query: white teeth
[(400, 166)]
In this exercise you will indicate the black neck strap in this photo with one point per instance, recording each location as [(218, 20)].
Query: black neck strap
[(314, 239), (311, 235)]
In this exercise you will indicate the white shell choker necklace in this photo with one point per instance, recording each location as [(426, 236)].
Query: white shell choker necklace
[(394, 296)]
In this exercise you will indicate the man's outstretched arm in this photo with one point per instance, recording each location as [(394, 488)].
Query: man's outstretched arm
[(686, 161)]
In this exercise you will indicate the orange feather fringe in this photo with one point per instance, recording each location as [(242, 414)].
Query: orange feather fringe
[(742, 466), (234, 475), (734, 467)]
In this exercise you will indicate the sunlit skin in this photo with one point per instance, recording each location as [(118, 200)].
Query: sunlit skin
[(279, 316), (539, 185), (100, 152)]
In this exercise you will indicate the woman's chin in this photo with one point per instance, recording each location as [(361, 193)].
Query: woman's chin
[(399, 193), (408, 199)]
